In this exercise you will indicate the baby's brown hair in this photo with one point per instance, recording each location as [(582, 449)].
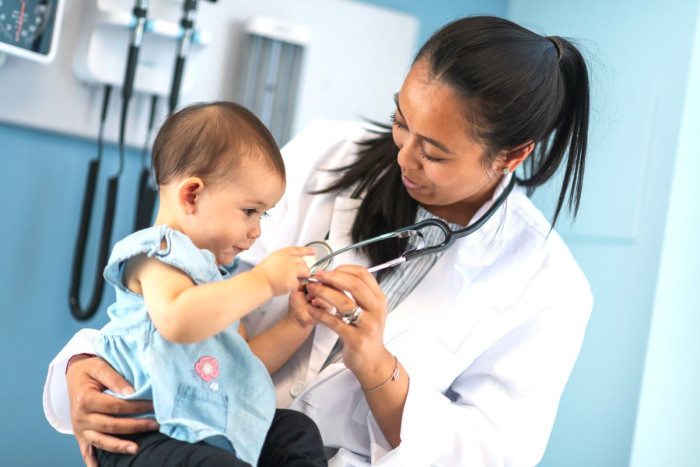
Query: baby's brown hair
[(209, 140)]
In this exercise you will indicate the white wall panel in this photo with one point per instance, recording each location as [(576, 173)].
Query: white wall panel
[(354, 63)]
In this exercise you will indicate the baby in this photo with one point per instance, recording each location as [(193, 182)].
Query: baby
[(175, 331)]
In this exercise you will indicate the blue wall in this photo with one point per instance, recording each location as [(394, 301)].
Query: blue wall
[(668, 419), (640, 54), (641, 57), (435, 13), (43, 178)]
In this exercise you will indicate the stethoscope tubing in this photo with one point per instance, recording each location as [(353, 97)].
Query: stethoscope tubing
[(414, 229)]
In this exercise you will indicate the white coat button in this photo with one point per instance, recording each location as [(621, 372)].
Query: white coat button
[(296, 389)]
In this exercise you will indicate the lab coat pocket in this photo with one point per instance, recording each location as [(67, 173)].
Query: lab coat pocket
[(308, 408), (361, 411), (193, 403)]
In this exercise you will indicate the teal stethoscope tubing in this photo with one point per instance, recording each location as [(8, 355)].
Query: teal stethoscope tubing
[(414, 229)]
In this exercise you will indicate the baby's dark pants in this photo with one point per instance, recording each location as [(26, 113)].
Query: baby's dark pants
[(293, 440)]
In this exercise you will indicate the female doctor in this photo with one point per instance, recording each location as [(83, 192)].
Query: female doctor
[(457, 358)]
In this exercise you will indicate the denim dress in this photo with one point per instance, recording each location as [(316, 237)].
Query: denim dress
[(216, 390)]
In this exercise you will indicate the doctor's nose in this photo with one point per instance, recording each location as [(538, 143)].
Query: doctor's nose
[(409, 157)]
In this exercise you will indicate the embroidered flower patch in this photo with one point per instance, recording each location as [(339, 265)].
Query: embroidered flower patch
[(207, 368)]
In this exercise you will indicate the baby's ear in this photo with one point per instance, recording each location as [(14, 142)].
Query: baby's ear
[(187, 192)]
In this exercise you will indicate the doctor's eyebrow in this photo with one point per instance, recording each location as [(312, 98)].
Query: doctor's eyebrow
[(432, 141)]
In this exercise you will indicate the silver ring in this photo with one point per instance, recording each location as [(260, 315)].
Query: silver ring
[(352, 316)]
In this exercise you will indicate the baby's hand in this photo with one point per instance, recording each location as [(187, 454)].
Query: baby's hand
[(283, 268), (300, 302)]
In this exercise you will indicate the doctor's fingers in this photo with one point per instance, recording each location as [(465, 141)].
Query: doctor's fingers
[(84, 372), (111, 425), (104, 442), (360, 283), (87, 451), (91, 401), (329, 296)]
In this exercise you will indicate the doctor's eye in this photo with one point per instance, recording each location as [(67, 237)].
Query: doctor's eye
[(431, 159), (397, 123)]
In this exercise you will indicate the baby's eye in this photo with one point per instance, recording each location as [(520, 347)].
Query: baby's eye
[(250, 212)]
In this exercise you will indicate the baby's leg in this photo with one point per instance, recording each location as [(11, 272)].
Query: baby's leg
[(292, 441), (157, 449)]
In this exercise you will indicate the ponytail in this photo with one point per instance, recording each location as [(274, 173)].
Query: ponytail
[(571, 133), (519, 86)]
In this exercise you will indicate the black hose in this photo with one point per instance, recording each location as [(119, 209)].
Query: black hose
[(77, 310), (146, 202), (177, 82), (147, 194)]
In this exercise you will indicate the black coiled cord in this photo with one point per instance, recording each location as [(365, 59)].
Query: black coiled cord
[(76, 309)]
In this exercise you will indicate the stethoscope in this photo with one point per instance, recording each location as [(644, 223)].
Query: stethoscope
[(148, 191), (325, 254)]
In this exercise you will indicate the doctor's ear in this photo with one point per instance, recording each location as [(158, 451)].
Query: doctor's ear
[(188, 192), (514, 157)]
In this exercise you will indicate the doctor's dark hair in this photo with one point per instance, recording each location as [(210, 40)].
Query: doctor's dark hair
[(209, 140), (518, 86)]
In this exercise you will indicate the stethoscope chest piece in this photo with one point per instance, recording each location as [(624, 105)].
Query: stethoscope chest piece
[(323, 258)]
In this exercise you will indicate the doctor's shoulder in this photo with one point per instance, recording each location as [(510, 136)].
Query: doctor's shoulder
[(558, 272), (321, 136)]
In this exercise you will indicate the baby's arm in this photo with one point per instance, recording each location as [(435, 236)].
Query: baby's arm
[(274, 346), (184, 312)]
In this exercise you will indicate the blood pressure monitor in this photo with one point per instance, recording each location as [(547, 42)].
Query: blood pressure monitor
[(29, 28)]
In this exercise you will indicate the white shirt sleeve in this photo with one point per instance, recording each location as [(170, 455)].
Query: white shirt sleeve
[(500, 411), (56, 404)]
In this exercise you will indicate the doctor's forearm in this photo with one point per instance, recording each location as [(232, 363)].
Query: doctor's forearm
[(387, 403)]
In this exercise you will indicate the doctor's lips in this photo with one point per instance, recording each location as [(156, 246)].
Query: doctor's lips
[(410, 184)]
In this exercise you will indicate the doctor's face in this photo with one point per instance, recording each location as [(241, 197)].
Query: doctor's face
[(442, 166)]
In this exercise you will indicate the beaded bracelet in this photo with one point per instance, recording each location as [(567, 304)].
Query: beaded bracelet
[(393, 377)]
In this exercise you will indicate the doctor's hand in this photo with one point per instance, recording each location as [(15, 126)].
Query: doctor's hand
[(92, 411), (364, 352)]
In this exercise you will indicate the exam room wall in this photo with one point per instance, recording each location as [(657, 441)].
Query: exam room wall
[(43, 178), (644, 273)]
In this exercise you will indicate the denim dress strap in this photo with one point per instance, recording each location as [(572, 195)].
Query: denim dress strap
[(169, 246)]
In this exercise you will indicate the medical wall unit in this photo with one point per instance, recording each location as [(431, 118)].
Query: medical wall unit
[(30, 28), (270, 71), (101, 53), (65, 95)]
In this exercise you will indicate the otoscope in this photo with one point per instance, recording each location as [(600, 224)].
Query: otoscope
[(147, 192), (143, 213), (136, 38), (189, 14)]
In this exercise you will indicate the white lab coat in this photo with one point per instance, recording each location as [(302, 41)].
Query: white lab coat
[(488, 337)]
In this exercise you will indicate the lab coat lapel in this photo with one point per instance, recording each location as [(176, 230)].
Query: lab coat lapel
[(344, 213), (456, 269), (432, 295)]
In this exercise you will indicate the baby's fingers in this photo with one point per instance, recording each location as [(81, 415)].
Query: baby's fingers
[(301, 251)]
